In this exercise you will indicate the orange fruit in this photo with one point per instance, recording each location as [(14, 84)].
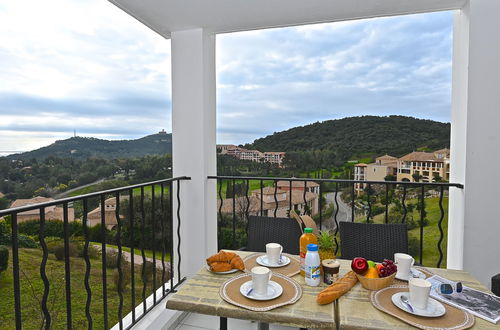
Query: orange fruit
[(371, 273)]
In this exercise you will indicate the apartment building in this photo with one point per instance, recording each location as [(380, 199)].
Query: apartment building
[(272, 199), (427, 165), (272, 157)]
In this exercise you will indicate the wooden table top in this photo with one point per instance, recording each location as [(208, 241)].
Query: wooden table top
[(357, 312), (200, 294)]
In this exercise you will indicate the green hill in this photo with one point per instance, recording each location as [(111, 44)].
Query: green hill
[(83, 147), (355, 136)]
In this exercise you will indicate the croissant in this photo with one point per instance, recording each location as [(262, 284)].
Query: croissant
[(220, 267), (337, 289), (237, 263), (222, 256)]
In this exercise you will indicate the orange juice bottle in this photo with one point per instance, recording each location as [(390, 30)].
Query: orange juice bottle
[(307, 238)]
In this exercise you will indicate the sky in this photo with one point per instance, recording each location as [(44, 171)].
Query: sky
[(85, 65)]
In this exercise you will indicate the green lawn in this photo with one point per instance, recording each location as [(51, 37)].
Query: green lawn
[(32, 293), (431, 231), (137, 251)]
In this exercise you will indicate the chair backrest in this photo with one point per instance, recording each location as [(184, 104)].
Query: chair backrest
[(372, 241), (263, 230)]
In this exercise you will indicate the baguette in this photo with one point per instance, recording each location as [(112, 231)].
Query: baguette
[(337, 289)]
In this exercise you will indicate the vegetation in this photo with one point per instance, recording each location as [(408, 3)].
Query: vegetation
[(4, 258), (339, 140), (86, 147), (32, 292)]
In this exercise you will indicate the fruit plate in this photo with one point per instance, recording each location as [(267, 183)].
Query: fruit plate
[(375, 283)]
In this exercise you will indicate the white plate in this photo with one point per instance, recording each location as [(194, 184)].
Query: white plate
[(434, 307), (415, 273), (263, 261), (274, 290), (234, 270)]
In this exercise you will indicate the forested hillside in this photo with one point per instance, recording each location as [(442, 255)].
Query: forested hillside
[(354, 136), (83, 148)]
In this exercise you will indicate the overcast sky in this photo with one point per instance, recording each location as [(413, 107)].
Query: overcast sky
[(86, 65)]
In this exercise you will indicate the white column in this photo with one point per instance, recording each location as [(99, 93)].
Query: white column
[(458, 139), (477, 69), (194, 149)]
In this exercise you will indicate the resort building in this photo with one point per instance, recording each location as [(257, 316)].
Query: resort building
[(272, 157), (302, 204), (51, 212), (427, 166), (94, 216)]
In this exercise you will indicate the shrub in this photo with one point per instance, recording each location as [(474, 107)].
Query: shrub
[(52, 228), (95, 234), (52, 242), (125, 267), (94, 252), (26, 242), (4, 258), (59, 251), (112, 258)]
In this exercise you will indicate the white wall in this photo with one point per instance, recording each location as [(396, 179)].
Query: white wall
[(478, 84), (193, 144)]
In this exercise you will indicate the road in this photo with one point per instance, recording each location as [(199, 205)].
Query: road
[(344, 213), (67, 192)]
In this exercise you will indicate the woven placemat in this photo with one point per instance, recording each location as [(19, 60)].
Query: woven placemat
[(292, 269), (230, 292), (453, 319)]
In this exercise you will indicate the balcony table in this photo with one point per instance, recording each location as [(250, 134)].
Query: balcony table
[(200, 294), (357, 312)]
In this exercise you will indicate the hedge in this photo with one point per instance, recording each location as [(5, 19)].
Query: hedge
[(4, 258), (54, 228)]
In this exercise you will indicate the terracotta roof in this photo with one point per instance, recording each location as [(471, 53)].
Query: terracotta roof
[(361, 165), (419, 156), (241, 202), (386, 157), (297, 184), (1, 195), (32, 201)]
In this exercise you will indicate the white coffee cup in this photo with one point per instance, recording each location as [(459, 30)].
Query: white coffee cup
[(404, 262), (273, 252), (260, 279), (419, 292)]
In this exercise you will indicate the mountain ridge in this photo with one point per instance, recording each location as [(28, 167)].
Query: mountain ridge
[(86, 147), (354, 136)]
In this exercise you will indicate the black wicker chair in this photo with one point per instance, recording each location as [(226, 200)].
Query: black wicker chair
[(263, 230), (495, 284), (372, 241)]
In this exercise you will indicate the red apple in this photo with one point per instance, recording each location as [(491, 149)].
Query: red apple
[(359, 265)]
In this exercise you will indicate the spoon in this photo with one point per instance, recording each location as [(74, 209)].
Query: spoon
[(405, 301)]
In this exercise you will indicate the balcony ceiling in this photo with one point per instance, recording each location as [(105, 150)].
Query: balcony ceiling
[(219, 16)]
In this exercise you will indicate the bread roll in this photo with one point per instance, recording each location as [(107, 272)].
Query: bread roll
[(337, 289)]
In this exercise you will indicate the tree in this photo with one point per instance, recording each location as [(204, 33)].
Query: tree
[(417, 177)]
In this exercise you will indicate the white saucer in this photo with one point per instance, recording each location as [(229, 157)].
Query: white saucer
[(234, 270), (274, 290), (263, 261), (434, 307), (415, 273)]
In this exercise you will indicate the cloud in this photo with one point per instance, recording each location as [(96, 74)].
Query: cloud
[(87, 65), (395, 65)]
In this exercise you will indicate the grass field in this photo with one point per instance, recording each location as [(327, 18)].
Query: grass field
[(137, 251), (31, 294), (431, 231)]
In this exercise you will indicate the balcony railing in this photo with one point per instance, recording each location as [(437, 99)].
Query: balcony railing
[(145, 222), (380, 201)]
